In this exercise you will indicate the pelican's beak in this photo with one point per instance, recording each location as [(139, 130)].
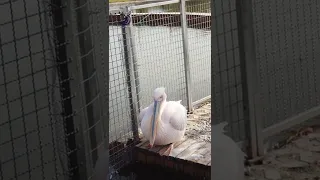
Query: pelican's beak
[(154, 121)]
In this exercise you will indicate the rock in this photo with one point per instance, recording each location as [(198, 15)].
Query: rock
[(314, 136), (287, 150), (315, 149), (307, 157), (256, 171), (272, 174), (302, 142), (291, 163)]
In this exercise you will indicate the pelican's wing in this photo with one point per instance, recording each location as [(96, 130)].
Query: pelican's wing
[(142, 113), (178, 119)]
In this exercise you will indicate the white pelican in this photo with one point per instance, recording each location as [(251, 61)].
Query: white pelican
[(227, 157), (163, 122)]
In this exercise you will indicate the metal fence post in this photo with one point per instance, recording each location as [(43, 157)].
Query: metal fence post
[(131, 70), (134, 60), (85, 87), (61, 14), (184, 27), (249, 72)]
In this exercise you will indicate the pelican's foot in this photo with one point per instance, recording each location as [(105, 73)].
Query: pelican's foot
[(166, 151), (150, 146)]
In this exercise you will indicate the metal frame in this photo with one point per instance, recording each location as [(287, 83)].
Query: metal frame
[(249, 69), (252, 92), (184, 28), (131, 70), (201, 101), (88, 83), (290, 122), (61, 16), (153, 4)]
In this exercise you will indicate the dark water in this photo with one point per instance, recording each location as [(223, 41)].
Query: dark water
[(139, 171)]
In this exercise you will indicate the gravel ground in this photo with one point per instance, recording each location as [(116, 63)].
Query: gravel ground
[(199, 123), (299, 159)]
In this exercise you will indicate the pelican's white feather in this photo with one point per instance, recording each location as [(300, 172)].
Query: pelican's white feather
[(172, 123)]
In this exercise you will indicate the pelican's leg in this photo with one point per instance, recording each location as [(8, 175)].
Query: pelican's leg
[(166, 151)]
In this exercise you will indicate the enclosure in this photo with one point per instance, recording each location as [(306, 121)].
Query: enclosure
[(65, 98)]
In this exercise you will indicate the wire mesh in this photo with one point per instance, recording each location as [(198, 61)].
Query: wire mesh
[(159, 51), (30, 147), (120, 133), (91, 39), (287, 43), (199, 37), (227, 83), (51, 124)]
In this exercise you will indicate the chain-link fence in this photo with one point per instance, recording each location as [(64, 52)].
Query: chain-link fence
[(51, 124), (199, 37), (286, 46), (148, 49), (29, 88), (226, 68), (264, 67), (53, 75)]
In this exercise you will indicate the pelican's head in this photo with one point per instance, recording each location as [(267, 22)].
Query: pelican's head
[(159, 96)]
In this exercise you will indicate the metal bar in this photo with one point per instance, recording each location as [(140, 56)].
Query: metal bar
[(290, 122), (248, 65), (143, 6), (126, 34), (59, 16), (89, 90), (259, 126), (174, 13), (216, 65), (134, 62), (184, 27), (201, 101)]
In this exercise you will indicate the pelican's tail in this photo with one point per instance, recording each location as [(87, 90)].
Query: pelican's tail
[(219, 128)]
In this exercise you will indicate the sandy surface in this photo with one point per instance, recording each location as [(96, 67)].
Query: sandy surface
[(297, 160)]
